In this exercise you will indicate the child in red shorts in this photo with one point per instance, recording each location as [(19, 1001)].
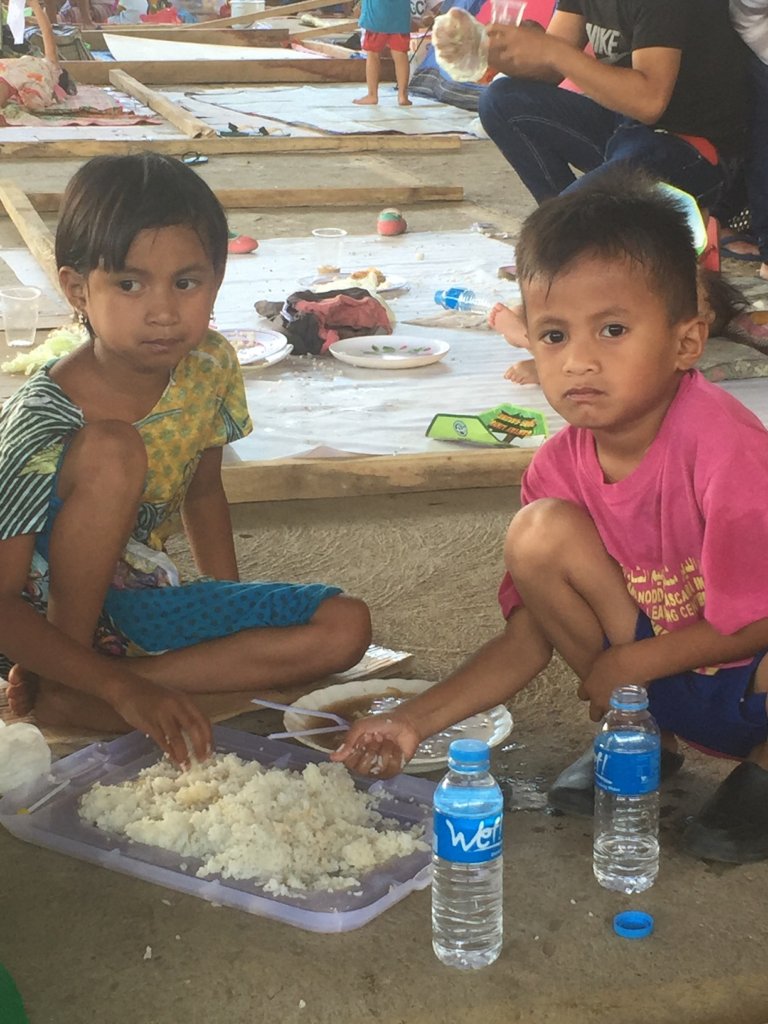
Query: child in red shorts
[(386, 23)]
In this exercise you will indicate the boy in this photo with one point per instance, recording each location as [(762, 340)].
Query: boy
[(637, 554)]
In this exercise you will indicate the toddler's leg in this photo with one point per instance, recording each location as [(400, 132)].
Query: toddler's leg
[(372, 75), (402, 73)]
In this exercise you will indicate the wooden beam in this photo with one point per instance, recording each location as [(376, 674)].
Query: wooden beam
[(344, 27), (276, 198), (163, 105), (84, 148), (290, 479), (269, 12), (184, 34), (36, 235), (329, 49), (226, 72)]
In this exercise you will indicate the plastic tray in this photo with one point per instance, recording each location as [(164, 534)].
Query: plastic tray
[(46, 813)]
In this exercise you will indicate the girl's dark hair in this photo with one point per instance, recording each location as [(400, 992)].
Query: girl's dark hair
[(622, 213), (112, 198)]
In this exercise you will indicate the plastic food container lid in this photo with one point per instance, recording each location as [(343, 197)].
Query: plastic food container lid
[(633, 924)]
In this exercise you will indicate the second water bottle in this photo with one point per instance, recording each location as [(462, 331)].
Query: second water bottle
[(627, 758)]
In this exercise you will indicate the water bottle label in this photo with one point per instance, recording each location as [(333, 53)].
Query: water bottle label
[(627, 774), (467, 840)]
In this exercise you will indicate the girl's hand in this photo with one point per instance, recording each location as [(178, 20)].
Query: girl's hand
[(379, 745), (168, 717)]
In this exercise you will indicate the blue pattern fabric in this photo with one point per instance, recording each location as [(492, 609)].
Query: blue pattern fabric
[(169, 618)]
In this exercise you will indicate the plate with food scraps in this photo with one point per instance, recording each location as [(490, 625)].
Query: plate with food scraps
[(385, 284), (360, 698), (389, 351), (258, 347)]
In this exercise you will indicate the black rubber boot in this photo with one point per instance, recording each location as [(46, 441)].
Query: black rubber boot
[(732, 826), (573, 791)]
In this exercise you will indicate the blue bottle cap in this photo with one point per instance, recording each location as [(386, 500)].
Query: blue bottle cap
[(633, 924), (469, 753)]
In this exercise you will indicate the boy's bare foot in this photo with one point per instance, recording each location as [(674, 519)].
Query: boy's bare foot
[(523, 372), (403, 101), (367, 101), (22, 691)]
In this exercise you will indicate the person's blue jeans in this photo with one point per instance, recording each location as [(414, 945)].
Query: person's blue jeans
[(544, 132), (757, 158)]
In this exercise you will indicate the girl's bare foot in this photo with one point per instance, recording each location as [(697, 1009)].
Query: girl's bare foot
[(523, 372), (370, 101), (22, 691), (403, 101), (59, 705)]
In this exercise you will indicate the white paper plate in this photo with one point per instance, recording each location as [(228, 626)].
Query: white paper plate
[(391, 283), (493, 726), (389, 352), (258, 347)]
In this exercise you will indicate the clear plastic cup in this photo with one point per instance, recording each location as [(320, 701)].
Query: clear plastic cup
[(328, 249), (507, 12), (19, 308)]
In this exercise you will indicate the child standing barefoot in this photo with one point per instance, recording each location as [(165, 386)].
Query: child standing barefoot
[(102, 451), (386, 24)]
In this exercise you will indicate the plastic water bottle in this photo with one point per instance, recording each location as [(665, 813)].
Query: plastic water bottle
[(627, 758), (467, 927), (464, 300)]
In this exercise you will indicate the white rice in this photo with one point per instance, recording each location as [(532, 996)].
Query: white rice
[(287, 830)]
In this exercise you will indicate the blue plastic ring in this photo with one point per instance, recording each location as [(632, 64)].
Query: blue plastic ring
[(633, 924)]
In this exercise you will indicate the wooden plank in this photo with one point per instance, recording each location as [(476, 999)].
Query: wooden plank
[(84, 148), (269, 12), (344, 27), (292, 479), (184, 34), (36, 235), (329, 49), (163, 105), (226, 72), (268, 198)]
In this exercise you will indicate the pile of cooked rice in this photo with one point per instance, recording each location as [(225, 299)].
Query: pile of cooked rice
[(285, 829)]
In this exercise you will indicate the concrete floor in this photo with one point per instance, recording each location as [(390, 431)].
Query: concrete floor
[(74, 935)]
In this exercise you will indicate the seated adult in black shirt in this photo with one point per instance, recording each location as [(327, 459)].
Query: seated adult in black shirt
[(667, 91)]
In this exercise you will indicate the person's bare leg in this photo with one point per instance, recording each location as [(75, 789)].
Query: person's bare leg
[(100, 484), (372, 75), (402, 74), (570, 584), (763, 271)]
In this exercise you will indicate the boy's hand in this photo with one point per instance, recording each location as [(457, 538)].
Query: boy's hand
[(379, 745), (607, 673), (168, 717)]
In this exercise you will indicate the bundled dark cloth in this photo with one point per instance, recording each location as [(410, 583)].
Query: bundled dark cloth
[(312, 321)]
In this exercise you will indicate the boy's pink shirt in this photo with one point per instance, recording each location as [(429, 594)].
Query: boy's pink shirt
[(689, 527)]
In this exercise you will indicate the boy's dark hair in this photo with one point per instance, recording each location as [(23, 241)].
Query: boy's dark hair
[(112, 198), (622, 214)]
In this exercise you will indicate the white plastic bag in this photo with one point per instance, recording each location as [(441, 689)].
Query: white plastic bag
[(461, 45), (24, 755)]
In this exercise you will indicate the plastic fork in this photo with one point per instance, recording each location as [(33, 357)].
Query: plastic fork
[(307, 712)]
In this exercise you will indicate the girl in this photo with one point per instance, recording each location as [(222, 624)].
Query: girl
[(99, 454)]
